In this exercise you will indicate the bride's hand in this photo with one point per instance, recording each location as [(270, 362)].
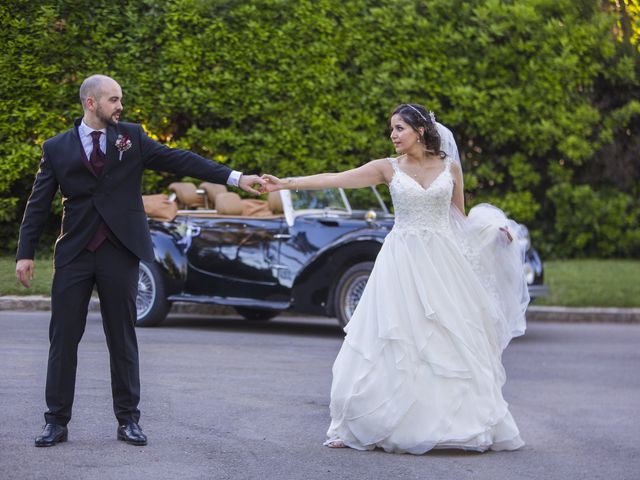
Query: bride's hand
[(507, 234), (272, 184)]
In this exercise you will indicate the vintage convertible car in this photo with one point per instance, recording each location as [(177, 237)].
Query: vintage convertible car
[(310, 251)]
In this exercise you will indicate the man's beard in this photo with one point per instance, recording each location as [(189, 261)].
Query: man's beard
[(107, 119)]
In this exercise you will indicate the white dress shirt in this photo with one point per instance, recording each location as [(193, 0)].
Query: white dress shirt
[(84, 131), (234, 178)]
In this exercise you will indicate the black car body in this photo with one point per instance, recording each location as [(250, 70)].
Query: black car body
[(311, 253)]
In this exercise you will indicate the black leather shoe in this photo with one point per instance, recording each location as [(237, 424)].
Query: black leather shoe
[(52, 434), (132, 434)]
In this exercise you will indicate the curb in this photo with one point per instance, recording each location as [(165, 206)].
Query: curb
[(30, 303), (583, 315)]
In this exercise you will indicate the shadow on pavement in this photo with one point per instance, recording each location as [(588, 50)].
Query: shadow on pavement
[(300, 326)]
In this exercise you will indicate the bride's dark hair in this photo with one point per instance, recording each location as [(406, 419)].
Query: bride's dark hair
[(416, 116)]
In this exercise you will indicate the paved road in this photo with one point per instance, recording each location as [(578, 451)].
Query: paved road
[(227, 399)]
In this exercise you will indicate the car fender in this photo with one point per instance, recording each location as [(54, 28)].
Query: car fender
[(313, 287), (170, 256)]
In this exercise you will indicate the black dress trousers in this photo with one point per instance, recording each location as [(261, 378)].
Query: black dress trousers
[(114, 271)]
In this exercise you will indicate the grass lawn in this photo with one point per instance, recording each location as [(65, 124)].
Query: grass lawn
[(40, 285), (592, 283), (573, 283)]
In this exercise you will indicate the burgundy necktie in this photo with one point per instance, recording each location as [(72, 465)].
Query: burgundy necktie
[(97, 157), (97, 162)]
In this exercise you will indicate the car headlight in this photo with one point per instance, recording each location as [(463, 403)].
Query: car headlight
[(370, 216), (523, 237), (529, 274)]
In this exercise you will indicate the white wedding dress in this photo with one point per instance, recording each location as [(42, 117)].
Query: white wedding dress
[(420, 366)]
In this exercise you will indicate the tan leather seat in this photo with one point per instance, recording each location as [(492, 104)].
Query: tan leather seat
[(254, 207), (213, 190), (159, 207), (186, 195), (229, 203), (275, 203)]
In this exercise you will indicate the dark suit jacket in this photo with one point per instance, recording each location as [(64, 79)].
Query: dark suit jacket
[(114, 196)]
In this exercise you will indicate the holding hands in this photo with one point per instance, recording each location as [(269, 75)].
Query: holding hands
[(273, 183), (259, 185), (249, 182)]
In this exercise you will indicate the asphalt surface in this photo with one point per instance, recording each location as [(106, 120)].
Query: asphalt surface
[(223, 398)]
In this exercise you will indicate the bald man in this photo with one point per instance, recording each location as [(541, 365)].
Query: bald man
[(97, 166)]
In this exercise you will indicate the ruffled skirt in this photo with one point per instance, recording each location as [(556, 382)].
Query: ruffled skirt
[(420, 367)]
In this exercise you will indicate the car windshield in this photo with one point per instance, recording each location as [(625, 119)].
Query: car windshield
[(366, 199), (328, 199)]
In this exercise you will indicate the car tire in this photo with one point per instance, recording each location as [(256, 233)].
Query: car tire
[(151, 302), (349, 290), (256, 313)]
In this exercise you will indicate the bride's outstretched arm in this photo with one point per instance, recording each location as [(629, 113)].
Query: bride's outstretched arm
[(371, 173)]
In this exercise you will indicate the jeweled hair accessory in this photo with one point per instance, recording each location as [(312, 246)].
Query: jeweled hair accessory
[(432, 117)]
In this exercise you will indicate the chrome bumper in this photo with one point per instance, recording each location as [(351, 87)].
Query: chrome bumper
[(538, 291)]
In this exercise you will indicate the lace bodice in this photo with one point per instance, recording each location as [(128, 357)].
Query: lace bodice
[(417, 208)]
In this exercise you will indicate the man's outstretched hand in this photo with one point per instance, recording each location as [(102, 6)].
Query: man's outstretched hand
[(24, 271), (248, 182), (272, 183)]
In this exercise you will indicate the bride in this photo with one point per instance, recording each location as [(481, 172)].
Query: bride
[(420, 367)]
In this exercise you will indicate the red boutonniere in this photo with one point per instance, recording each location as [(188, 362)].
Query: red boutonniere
[(123, 143)]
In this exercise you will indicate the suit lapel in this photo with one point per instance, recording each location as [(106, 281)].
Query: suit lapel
[(112, 151), (83, 155)]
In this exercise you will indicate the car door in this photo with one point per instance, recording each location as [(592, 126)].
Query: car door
[(308, 237), (235, 258)]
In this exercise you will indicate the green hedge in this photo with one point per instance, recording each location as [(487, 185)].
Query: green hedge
[(543, 97)]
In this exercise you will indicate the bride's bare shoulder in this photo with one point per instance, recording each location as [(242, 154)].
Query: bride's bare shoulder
[(383, 165)]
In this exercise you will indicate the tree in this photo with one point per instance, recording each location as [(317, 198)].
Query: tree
[(541, 94)]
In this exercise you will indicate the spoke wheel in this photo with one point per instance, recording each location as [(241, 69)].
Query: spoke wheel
[(146, 291), (349, 290), (151, 304)]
